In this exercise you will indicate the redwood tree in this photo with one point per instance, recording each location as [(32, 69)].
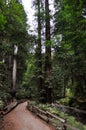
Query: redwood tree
[(38, 51), (48, 86)]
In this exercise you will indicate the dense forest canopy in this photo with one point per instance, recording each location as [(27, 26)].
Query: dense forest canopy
[(57, 72)]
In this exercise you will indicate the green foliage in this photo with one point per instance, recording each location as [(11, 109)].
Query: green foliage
[(71, 59), (16, 25), (22, 93), (12, 31), (29, 74), (68, 75), (65, 101), (2, 22), (70, 119), (29, 82), (48, 43), (3, 19)]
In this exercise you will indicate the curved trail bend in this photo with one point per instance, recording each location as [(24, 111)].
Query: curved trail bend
[(22, 119)]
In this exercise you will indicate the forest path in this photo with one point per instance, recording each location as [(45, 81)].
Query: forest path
[(22, 119)]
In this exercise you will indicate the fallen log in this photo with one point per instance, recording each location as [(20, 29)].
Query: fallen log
[(9, 108), (39, 110), (56, 117), (55, 123), (70, 108), (45, 118), (58, 122)]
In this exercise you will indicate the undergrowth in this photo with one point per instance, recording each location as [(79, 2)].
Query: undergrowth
[(70, 119)]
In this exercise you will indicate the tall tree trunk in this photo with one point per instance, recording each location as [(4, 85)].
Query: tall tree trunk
[(48, 54), (39, 55), (14, 71)]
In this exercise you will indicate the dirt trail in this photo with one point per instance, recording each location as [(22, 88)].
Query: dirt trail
[(22, 119)]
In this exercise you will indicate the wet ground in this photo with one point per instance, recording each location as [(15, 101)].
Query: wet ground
[(22, 119)]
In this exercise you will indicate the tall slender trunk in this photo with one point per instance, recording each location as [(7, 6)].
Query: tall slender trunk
[(39, 55), (14, 71), (47, 54)]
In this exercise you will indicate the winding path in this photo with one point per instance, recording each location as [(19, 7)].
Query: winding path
[(22, 119)]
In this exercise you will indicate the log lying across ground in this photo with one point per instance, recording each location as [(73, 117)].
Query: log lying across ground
[(58, 122), (9, 108), (5, 111), (70, 108)]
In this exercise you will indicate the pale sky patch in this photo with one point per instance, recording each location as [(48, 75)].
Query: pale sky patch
[(29, 11), (28, 6)]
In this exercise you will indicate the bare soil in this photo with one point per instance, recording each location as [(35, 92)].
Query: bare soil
[(22, 119)]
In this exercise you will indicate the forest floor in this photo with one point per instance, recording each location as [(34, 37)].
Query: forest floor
[(22, 119)]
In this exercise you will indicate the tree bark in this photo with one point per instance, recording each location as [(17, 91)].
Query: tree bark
[(47, 54), (38, 52), (14, 71)]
